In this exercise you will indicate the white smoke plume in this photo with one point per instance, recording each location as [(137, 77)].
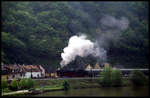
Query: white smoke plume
[(110, 29), (79, 46), (114, 23)]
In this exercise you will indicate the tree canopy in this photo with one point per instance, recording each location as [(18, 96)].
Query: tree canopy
[(37, 32)]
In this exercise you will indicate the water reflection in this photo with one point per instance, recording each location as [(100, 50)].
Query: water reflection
[(118, 91)]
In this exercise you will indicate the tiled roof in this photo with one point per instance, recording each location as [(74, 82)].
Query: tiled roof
[(31, 68), (21, 68)]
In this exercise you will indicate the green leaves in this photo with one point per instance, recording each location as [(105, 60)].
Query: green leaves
[(106, 76), (111, 77), (30, 83), (116, 77), (23, 83), (138, 78), (40, 30), (66, 85), (4, 84), (11, 41), (14, 84)]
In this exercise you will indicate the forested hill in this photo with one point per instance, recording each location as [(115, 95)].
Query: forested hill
[(37, 32)]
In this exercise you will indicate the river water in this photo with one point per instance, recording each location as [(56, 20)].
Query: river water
[(110, 91)]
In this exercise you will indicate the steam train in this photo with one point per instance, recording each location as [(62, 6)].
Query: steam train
[(94, 72)]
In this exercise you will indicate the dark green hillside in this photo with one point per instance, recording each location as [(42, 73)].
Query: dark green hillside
[(37, 32)]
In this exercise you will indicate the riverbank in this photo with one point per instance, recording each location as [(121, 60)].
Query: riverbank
[(55, 85), (76, 83), (42, 86), (15, 92)]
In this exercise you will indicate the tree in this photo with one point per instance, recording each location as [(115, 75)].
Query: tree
[(137, 78), (4, 84), (66, 85), (30, 83), (14, 84), (106, 76), (39, 31), (22, 83), (116, 77)]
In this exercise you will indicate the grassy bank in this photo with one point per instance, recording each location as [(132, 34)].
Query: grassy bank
[(55, 85), (74, 83)]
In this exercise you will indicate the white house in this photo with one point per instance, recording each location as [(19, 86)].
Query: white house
[(19, 71), (42, 70), (32, 71), (34, 74)]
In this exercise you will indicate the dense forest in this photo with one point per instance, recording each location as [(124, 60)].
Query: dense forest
[(37, 32)]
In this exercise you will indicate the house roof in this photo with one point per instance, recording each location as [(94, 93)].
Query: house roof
[(33, 68), (21, 68), (97, 66), (89, 66), (3, 68)]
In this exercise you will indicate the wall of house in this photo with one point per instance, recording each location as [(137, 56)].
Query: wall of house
[(14, 76), (34, 74), (43, 71), (4, 77)]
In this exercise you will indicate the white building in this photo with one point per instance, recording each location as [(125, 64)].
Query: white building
[(34, 74), (32, 71), (22, 71)]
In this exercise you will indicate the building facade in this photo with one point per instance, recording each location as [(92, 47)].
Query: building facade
[(10, 72)]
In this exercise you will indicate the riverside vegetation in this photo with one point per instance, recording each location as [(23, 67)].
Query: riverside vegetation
[(110, 78)]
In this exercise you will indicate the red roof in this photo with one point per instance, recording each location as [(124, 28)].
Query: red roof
[(22, 68)]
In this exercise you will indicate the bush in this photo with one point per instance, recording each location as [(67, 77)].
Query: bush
[(4, 84), (22, 83), (116, 77), (66, 85), (137, 78), (30, 83), (14, 84), (106, 76)]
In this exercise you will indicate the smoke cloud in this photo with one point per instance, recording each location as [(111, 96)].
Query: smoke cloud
[(113, 23), (80, 46), (109, 31)]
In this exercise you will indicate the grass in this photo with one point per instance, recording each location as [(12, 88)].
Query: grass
[(74, 84), (52, 85), (49, 88)]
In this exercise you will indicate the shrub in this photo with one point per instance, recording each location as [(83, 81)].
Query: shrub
[(14, 84), (116, 77), (66, 85), (30, 83), (106, 76), (137, 78), (22, 83), (4, 84)]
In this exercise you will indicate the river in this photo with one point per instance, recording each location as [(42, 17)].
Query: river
[(110, 91)]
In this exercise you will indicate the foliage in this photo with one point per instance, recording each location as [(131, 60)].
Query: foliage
[(116, 77), (138, 78), (66, 85), (14, 84), (23, 83), (30, 83), (4, 84), (38, 31), (106, 76), (111, 77)]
